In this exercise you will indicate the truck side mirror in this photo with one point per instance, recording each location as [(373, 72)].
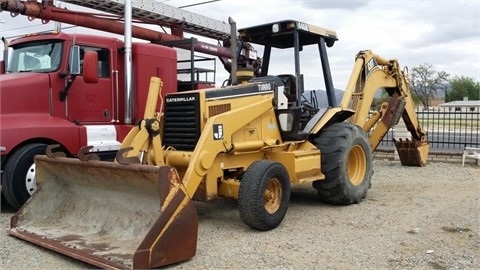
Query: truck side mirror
[(90, 67)]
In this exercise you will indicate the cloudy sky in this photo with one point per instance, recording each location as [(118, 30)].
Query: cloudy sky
[(443, 33)]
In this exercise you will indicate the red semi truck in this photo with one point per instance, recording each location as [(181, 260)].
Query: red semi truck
[(45, 101), (37, 108)]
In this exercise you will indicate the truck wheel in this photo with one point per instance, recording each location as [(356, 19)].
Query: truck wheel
[(264, 194), (18, 181), (346, 163)]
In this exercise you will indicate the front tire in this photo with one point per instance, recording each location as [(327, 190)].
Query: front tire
[(18, 179), (264, 194), (346, 164)]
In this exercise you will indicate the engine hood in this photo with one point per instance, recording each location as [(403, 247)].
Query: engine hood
[(26, 92)]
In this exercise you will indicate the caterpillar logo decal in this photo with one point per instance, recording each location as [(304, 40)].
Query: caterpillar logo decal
[(371, 65), (179, 99)]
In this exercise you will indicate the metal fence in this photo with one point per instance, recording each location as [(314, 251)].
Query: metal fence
[(449, 129)]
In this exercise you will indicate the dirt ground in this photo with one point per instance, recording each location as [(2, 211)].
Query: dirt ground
[(412, 218)]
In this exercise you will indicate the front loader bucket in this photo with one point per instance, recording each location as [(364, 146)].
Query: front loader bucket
[(109, 215), (412, 152)]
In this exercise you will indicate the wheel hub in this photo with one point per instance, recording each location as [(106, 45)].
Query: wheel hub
[(273, 196), (356, 165), (30, 180)]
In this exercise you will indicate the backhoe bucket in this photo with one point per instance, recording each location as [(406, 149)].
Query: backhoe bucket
[(109, 215), (412, 152)]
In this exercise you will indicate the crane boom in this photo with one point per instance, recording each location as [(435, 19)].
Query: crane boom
[(159, 14), (165, 15)]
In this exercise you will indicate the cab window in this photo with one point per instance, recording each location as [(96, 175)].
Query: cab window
[(37, 56), (103, 60)]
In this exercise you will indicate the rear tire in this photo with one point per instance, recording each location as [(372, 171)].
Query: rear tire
[(264, 194), (18, 179), (346, 164)]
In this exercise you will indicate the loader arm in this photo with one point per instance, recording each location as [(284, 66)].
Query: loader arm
[(139, 140), (207, 148), (371, 73), (177, 205)]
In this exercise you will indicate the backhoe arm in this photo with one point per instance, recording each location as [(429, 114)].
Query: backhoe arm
[(370, 74)]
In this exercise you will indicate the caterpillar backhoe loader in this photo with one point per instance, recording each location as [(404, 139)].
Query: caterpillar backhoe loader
[(251, 141)]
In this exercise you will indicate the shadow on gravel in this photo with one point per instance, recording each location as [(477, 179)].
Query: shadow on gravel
[(5, 207), (306, 195), (225, 210)]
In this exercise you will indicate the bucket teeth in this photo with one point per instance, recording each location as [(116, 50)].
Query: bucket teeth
[(53, 154), (120, 157), (412, 152), (85, 155)]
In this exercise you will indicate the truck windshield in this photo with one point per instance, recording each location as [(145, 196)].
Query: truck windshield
[(38, 56)]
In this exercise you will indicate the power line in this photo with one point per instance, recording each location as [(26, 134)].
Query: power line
[(23, 27), (200, 3), (45, 31)]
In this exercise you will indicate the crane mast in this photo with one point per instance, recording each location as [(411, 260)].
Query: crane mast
[(144, 11)]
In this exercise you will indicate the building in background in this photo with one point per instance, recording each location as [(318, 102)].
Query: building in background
[(464, 105)]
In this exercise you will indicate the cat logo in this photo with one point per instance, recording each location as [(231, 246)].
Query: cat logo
[(371, 65), (218, 132), (302, 26)]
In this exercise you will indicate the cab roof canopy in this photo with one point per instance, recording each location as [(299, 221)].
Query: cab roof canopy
[(279, 34)]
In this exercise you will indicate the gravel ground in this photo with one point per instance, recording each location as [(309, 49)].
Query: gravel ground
[(412, 218)]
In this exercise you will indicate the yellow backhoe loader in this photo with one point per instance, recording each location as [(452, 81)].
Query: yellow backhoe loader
[(250, 141)]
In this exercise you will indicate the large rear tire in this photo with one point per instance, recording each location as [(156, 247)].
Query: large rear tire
[(18, 179), (264, 194), (346, 163)]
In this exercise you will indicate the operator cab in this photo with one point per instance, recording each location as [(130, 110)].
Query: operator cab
[(293, 114)]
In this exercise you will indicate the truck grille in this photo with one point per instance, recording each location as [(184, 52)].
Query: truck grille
[(181, 128)]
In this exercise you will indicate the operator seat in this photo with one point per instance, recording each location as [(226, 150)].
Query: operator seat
[(31, 63), (289, 83)]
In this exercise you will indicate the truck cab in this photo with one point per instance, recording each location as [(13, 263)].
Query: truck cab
[(44, 103)]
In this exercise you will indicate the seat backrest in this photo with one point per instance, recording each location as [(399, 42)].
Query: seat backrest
[(31, 63), (290, 86)]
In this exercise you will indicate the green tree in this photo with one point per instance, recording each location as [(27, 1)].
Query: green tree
[(379, 98), (462, 87), (425, 81)]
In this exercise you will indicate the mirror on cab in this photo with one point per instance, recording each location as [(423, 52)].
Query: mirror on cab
[(84, 63), (90, 67)]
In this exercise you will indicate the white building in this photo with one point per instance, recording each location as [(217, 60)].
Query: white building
[(462, 105)]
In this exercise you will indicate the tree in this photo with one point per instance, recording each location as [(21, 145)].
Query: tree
[(425, 81), (379, 99), (461, 87)]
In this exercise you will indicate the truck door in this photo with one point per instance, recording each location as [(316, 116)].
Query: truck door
[(92, 103)]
